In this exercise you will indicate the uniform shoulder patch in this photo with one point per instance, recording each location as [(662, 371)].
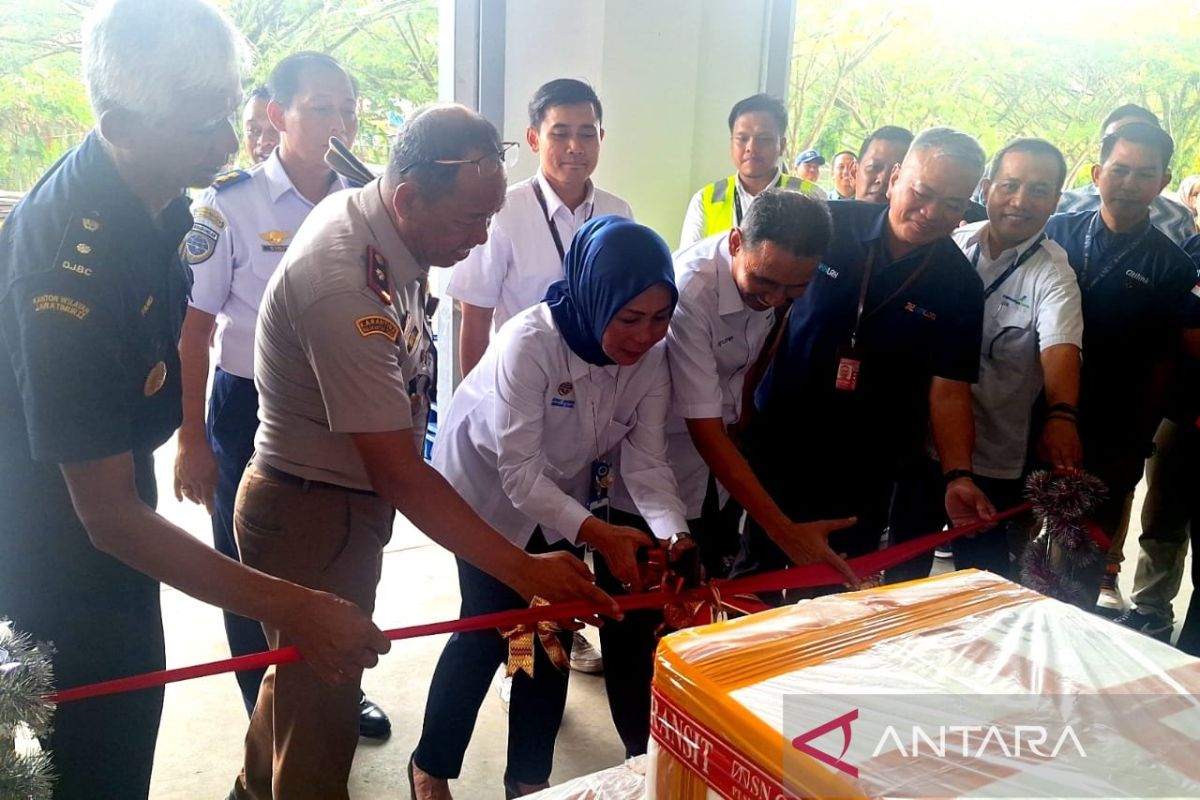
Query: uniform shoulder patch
[(377, 275), (201, 241), (376, 325), (231, 178)]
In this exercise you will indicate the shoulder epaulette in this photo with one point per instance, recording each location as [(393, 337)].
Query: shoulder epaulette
[(377, 275), (231, 178)]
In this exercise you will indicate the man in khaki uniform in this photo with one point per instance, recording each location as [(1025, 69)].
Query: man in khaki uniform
[(343, 365)]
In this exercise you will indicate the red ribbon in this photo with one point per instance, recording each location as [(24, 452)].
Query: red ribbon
[(806, 577)]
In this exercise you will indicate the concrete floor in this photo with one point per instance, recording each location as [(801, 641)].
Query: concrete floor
[(203, 723)]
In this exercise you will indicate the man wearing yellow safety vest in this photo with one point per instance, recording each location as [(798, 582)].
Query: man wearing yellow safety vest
[(757, 131)]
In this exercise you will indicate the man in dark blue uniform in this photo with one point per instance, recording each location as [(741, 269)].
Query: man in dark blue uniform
[(92, 295), (887, 332), (1141, 309)]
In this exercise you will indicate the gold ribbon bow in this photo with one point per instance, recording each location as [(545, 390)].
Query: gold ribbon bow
[(521, 645)]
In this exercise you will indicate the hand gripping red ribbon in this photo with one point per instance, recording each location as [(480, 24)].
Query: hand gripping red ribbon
[(719, 592)]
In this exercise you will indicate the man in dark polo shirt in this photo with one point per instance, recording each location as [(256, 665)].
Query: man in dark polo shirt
[(92, 295), (1140, 309), (887, 332)]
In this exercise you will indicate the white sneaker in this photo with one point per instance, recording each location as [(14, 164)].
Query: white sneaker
[(584, 657), (1110, 602), (504, 688)]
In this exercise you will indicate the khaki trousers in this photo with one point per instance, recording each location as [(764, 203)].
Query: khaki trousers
[(303, 732)]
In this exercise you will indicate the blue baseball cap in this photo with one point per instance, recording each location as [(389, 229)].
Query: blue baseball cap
[(810, 156)]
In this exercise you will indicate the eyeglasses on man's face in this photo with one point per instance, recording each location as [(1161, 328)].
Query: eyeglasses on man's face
[(487, 165)]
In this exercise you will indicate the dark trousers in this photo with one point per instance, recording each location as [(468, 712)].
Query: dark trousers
[(919, 507), (104, 622), (717, 531), (232, 422), (1171, 508), (464, 673), (1189, 636), (807, 498), (628, 648)]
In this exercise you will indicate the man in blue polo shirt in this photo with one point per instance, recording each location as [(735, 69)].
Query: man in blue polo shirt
[(887, 332), (1172, 218), (1139, 295)]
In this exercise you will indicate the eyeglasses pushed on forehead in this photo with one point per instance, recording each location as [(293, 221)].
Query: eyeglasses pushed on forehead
[(487, 165)]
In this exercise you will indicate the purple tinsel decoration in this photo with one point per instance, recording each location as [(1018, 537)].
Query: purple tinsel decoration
[(1052, 562)]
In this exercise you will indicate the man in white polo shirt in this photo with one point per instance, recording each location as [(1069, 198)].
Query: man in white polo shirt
[(1032, 335), (525, 247), (529, 237), (731, 287)]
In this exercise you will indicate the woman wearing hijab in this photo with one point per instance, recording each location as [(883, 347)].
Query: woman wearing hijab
[(532, 440)]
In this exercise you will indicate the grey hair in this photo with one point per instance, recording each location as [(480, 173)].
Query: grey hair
[(434, 132), (952, 144), (797, 223), (139, 54)]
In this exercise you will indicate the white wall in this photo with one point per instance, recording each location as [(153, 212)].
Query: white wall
[(667, 72)]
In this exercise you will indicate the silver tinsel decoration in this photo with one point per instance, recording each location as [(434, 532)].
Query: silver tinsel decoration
[(1064, 552), (25, 681)]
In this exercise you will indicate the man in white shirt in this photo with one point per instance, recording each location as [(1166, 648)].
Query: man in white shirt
[(259, 137), (757, 139), (1032, 335), (244, 224), (529, 237), (732, 287)]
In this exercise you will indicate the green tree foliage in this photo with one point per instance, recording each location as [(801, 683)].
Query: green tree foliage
[(996, 70), (390, 46)]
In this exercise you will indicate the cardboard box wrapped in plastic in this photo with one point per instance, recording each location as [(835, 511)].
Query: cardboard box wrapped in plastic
[(623, 782), (963, 685)]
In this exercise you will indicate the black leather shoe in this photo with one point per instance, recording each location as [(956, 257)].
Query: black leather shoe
[(372, 722)]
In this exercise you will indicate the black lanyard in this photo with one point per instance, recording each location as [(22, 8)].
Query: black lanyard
[(860, 317), (737, 199), (1013, 267), (1109, 263), (541, 198)]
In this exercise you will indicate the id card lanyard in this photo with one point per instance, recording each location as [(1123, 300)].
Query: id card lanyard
[(1107, 263), (1013, 267), (541, 198), (850, 360), (602, 474)]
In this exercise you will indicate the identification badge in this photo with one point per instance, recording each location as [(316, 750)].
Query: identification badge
[(848, 370), (602, 481)]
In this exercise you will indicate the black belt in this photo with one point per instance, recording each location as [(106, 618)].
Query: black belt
[(280, 476)]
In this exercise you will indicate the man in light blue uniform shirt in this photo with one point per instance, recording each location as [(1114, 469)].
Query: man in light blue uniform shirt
[(243, 225)]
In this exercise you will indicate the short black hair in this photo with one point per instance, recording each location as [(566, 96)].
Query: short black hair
[(888, 133), (796, 222), (284, 80), (260, 92), (438, 132), (760, 103), (843, 153), (562, 92), (1036, 147), (1130, 110), (1142, 133)]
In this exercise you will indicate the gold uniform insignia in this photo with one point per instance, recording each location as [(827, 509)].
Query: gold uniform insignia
[(62, 305), (83, 249), (155, 379), (275, 237), (90, 224), (375, 325)]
